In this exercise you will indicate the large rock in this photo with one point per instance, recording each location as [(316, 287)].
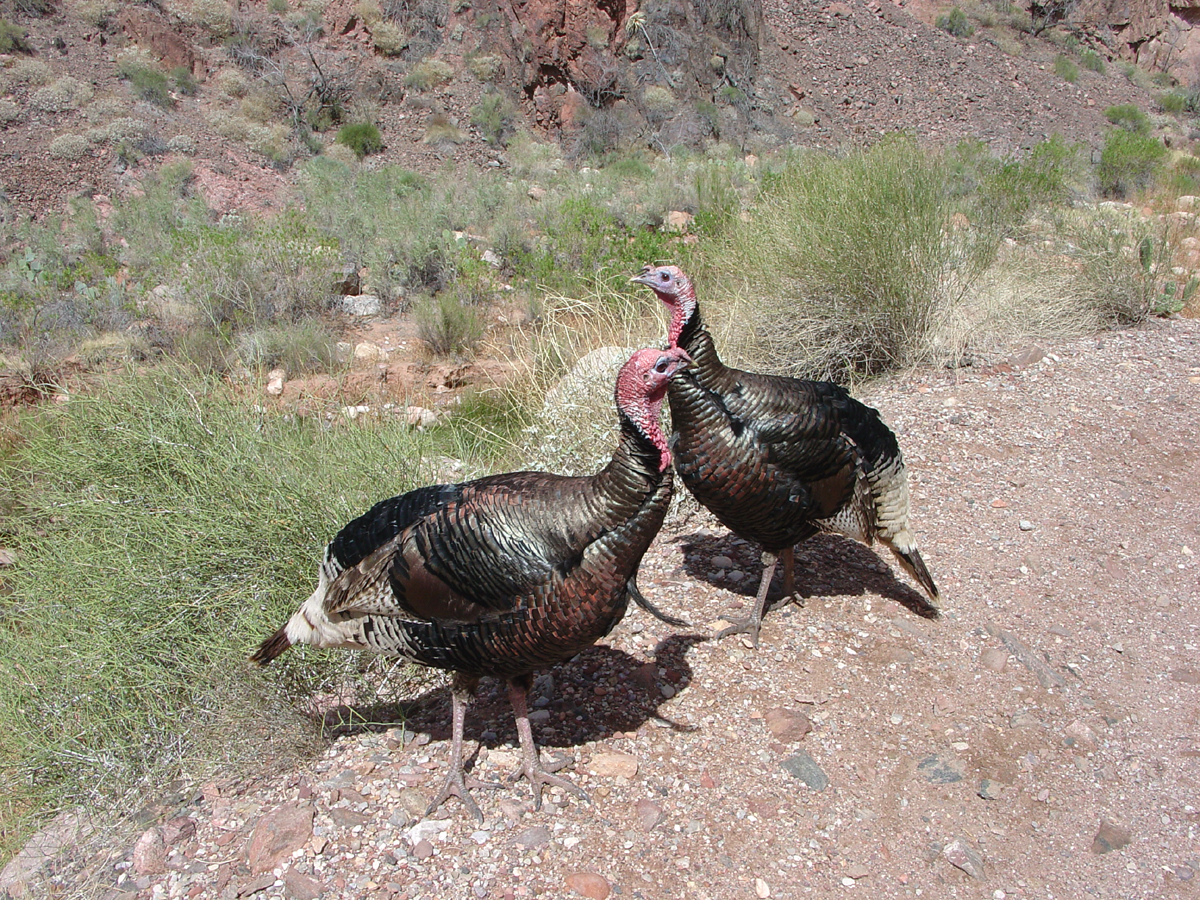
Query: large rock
[(278, 835), (64, 832)]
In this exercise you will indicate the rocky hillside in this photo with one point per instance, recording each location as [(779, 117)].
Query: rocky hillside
[(93, 93)]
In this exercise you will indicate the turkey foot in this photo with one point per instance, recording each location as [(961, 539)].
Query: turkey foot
[(457, 781), (751, 624), (532, 767)]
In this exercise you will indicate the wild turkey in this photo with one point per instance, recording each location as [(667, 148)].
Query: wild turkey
[(778, 459), (503, 575)]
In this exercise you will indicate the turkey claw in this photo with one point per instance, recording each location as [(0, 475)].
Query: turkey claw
[(540, 775), (748, 626), (458, 785)]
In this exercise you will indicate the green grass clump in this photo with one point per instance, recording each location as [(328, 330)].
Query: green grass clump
[(1092, 61), (1129, 162), (447, 324), (955, 23), (361, 137), (1173, 102), (148, 82), (1065, 69), (844, 262), (495, 117), (1128, 117), (164, 526), (13, 38)]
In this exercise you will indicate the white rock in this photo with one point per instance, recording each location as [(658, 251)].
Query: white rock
[(275, 380), (491, 259), (427, 829), (366, 351), (420, 417), (362, 305)]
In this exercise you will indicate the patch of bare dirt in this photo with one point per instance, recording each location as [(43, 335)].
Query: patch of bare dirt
[(1040, 740)]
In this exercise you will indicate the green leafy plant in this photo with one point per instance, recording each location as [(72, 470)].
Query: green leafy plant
[(955, 23), (1129, 162), (1128, 117), (12, 38), (494, 115), (148, 82), (429, 73), (1092, 61), (361, 137), (1065, 69), (448, 325)]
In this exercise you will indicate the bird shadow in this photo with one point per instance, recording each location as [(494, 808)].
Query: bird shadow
[(631, 691), (826, 565)]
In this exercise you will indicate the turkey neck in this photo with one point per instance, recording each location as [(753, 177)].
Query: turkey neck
[(636, 467), (706, 367)]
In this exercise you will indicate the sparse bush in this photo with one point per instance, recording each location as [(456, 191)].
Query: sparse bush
[(428, 73), (659, 103), (484, 67), (301, 348), (65, 93), (449, 326), (955, 23), (362, 137), (388, 38), (68, 146), (232, 83), (1065, 69), (278, 7), (185, 84), (494, 115), (182, 143), (1129, 162), (1128, 117), (148, 82), (1184, 177), (440, 131), (1092, 61), (9, 112), (12, 38), (29, 71), (1173, 102)]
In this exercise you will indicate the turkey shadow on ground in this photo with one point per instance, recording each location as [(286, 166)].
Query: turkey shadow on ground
[(826, 565), (600, 691)]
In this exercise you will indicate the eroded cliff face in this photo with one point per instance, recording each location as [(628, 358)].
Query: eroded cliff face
[(1158, 35)]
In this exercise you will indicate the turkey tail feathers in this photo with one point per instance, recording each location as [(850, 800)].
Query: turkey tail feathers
[(649, 607), (271, 647), (912, 563)]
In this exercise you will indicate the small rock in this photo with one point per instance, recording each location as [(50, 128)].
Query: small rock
[(275, 380), (362, 305), (422, 849), (613, 764), (7, 558), (963, 856), (150, 853), (512, 809), (413, 802), (994, 659), (801, 765), (491, 258), (300, 886), (1182, 676), (1111, 836), (762, 890), (1081, 735), (480, 837), (426, 829), (649, 814), (588, 884), (536, 192), (1025, 525), (677, 220), (787, 724), (722, 562), (261, 883), (532, 838), (857, 870), (989, 790), (539, 715), (278, 834), (936, 770), (366, 351)]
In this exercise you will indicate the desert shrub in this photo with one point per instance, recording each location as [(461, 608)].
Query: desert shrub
[(33, 7), (182, 143), (447, 325), (12, 38), (232, 83), (955, 23), (440, 131), (1065, 69), (148, 82), (362, 137), (659, 102), (495, 117), (1173, 102), (278, 7), (388, 38), (302, 347), (1184, 176), (847, 261), (184, 83), (62, 94), (428, 73), (9, 112), (1129, 162), (68, 146), (1128, 117), (485, 66), (1092, 61), (28, 71)]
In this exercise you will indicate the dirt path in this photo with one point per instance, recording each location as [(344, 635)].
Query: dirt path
[(1051, 714)]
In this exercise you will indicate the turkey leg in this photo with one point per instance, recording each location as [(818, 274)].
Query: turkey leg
[(531, 767), (462, 689)]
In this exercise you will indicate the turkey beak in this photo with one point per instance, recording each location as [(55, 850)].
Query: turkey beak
[(682, 357), (646, 277)]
